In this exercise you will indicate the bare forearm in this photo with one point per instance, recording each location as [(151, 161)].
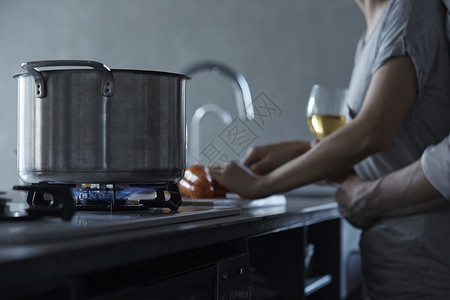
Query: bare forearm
[(388, 99), (406, 191), (390, 95), (335, 154)]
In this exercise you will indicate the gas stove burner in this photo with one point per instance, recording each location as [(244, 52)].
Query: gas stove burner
[(99, 194), (62, 200), (49, 199), (126, 197)]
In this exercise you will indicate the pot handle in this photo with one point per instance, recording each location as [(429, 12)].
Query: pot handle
[(107, 88)]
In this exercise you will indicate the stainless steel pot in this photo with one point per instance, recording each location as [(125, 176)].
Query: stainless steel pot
[(99, 125)]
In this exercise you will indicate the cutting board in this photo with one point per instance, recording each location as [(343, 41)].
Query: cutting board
[(233, 200)]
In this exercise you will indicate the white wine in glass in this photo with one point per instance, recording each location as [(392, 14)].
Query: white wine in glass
[(326, 110)]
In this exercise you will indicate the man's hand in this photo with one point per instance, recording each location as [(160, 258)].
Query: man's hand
[(356, 201)]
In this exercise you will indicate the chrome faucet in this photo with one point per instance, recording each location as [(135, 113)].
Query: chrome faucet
[(223, 115), (242, 91), (243, 101)]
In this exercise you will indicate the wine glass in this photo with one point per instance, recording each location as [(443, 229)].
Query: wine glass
[(326, 110)]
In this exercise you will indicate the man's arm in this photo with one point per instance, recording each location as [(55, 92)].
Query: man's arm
[(406, 191)]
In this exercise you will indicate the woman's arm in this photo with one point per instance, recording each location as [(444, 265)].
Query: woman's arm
[(263, 159), (406, 191), (389, 98)]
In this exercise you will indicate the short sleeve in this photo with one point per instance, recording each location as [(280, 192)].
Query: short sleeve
[(391, 42), (447, 17), (436, 166), (403, 35)]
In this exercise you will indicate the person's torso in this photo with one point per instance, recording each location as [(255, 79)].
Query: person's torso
[(415, 28)]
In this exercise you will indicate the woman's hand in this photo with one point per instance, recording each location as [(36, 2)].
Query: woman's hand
[(237, 178), (263, 159), (355, 198)]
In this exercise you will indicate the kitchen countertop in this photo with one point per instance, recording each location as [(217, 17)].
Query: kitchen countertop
[(94, 241)]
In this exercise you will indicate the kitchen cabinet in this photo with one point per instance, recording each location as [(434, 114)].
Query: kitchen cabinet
[(257, 254), (279, 266), (323, 274), (213, 272)]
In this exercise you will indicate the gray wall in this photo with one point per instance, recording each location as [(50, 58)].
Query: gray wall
[(282, 48)]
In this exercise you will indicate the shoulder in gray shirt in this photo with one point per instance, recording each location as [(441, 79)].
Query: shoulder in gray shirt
[(414, 28)]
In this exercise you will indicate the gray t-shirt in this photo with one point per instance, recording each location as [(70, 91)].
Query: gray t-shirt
[(405, 258), (436, 166), (414, 28)]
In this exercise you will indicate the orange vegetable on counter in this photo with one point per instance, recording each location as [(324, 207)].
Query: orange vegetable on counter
[(198, 183)]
